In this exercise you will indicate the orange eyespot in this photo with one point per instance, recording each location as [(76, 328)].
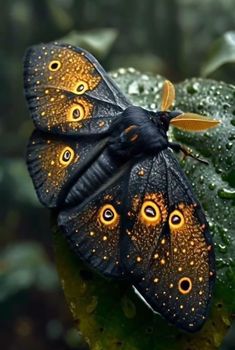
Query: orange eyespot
[(185, 285), (66, 156), (176, 220), (108, 215), (150, 213), (54, 65), (81, 87), (76, 113)]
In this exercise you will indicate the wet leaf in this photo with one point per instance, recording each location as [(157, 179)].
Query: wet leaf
[(109, 314), (222, 51)]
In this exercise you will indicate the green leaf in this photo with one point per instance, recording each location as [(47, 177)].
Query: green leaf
[(22, 266), (109, 314), (222, 51)]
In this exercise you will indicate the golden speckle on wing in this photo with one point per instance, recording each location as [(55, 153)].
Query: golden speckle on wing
[(141, 172)]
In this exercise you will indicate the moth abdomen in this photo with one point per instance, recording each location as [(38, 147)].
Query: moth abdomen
[(97, 175)]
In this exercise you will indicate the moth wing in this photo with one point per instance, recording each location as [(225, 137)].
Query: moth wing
[(68, 92), (54, 161), (175, 273), (93, 228)]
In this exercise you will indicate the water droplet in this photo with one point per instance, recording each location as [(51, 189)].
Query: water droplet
[(122, 71), (222, 248), (226, 194), (93, 304), (233, 121), (212, 186), (145, 77), (221, 263), (229, 145), (131, 70), (133, 88), (193, 88), (128, 307)]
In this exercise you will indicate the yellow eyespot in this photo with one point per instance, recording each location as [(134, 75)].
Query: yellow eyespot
[(76, 113), (176, 220), (108, 215), (81, 87), (150, 213), (66, 156), (54, 65), (185, 285)]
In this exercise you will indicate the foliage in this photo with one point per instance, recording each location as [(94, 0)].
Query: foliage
[(221, 51)]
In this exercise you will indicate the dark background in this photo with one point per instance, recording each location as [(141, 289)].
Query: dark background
[(170, 37)]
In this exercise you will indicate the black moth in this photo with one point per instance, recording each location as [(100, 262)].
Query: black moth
[(123, 202)]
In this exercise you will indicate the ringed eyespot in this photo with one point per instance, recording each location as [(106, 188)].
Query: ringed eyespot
[(54, 65), (66, 156), (81, 87), (108, 215), (185, 285), (150, 213), (76, 113), (176, 220)]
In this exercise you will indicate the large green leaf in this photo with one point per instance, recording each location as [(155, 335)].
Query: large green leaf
[(222, 51), (109, 314)]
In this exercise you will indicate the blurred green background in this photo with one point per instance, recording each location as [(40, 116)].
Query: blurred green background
[(175, 38)]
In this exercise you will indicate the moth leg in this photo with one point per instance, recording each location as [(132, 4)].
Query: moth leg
[(186, 152)]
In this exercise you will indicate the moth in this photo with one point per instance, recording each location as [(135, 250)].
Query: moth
[(123, 202)]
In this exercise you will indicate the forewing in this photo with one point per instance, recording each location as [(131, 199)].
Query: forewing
[(68, 92), (176, 276), (53, 162), (147, 186)]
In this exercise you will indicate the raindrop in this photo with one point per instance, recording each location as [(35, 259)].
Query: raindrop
[(133, 88), (223, 248), (212, 186), (192, 89), (226, 194), (233, 121), (122, 71)]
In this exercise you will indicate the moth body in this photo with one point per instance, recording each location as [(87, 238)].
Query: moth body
[(122, 200)]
